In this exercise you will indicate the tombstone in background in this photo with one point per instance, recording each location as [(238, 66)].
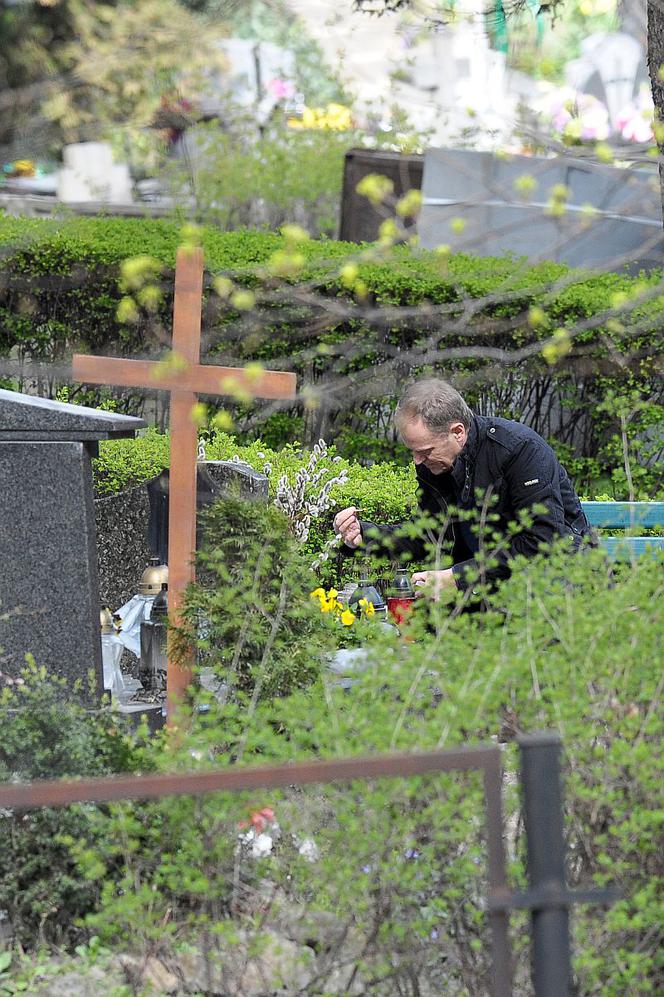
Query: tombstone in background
[(132, 526), (458, 85), (122, 543), (90, 174), (216, 478), (624, 232), (49, 587), (612, 68), (360, 220)]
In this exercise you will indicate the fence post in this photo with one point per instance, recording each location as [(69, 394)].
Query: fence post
[(543, 817)]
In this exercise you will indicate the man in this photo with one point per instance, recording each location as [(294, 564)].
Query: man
[(472, 462)]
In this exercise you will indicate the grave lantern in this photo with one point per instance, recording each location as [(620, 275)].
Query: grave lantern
[(152, 579), (154, 634)]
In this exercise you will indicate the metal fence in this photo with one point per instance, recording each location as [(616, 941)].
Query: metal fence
[(547, 898)]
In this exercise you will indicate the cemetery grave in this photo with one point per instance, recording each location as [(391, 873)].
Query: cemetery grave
[(188, 377), (51, 593), (317, 852)]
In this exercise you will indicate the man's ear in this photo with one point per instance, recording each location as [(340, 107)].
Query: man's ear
[(459, 431)]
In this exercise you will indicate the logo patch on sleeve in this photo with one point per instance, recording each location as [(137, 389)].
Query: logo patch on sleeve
[(533, 481)]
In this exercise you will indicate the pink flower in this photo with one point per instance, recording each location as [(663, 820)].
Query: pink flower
[(635, 121), (259, 819), (281, 89)]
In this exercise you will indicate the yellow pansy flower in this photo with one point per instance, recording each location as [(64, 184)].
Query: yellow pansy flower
[(347, 617)]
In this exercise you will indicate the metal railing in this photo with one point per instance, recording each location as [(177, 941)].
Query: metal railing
[(548, 898)]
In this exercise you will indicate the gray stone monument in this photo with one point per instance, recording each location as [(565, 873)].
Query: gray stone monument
[(216, 478), (49, 587), (623, 232), (132, 526)]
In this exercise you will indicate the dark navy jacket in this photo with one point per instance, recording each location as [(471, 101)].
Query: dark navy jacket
[(503, 469)]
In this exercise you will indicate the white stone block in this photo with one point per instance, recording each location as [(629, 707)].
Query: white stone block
[(73, 187), (120, 185), (88, 157)]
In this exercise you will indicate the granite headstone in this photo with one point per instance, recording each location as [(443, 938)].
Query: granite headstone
[(132, 526), (216, 478), (122, 543), (49, 587)]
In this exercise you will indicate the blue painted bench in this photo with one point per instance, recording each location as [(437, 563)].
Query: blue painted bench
[(630, 517)]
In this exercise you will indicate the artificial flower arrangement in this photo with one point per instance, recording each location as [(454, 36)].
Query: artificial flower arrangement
[(20, 168), (258, 836), (333, 117), (577, 118), (574, 117)]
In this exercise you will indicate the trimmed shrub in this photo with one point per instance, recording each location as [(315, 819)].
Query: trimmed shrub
[(60, 290)]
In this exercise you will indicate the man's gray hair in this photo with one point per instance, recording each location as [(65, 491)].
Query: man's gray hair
[(436, 403)]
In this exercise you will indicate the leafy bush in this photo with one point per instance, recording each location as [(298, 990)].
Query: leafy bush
[(45, 734), (398, 867), (249, 612), (286, 176), (381, 880)]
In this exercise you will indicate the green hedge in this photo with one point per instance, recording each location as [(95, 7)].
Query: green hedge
[(59, 291)]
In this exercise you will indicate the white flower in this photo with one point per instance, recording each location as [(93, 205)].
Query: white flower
[(261, 846), (309, 850)]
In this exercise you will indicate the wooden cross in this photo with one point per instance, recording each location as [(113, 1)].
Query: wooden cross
[(186, 378)]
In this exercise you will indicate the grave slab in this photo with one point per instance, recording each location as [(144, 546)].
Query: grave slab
[(215, 478)]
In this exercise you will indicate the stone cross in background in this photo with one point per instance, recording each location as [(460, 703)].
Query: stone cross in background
[(184, 380)]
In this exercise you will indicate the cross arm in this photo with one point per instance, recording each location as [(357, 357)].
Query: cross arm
[(204, 379)]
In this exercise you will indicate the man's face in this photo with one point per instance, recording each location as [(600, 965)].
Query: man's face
[(436, 450)]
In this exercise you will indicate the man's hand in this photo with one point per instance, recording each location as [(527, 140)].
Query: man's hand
[(435, 581), (348, 525)]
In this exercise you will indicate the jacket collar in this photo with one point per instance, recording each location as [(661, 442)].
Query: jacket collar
[(461, 466)]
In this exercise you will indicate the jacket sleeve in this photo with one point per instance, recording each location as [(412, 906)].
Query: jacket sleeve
[(531, 477), (391, 542)]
